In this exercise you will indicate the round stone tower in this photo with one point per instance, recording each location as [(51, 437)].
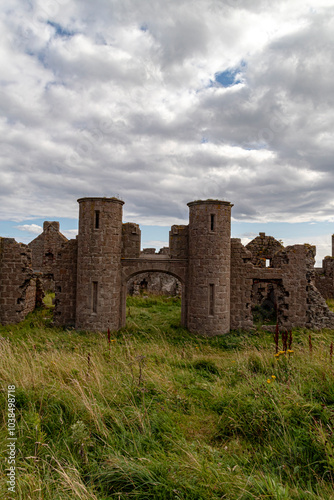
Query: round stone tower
[(99, 264), (208, 295)]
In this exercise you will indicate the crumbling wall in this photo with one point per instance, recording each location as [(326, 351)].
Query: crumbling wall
[(263, 247), (66, 283), (304, 304), (291, 279), (44, 252), (148, 251), (294, 263), (155, 282), (17, 282), (324, 278), (318, 313)]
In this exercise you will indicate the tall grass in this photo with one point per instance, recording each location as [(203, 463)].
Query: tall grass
[(159, 413)]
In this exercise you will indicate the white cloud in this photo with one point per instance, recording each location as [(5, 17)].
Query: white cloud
[(114, 97), (30, 228), (70, 233)]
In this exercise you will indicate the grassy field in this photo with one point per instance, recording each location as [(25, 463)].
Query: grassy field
[(158, 413)]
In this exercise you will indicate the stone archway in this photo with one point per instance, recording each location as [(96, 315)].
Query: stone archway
[(138, 272)]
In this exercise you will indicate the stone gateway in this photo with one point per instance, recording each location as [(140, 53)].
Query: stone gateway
[(221, 281)]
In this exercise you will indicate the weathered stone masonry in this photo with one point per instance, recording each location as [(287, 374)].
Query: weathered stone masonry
[(17, 281), (221, 280), (44, 253)]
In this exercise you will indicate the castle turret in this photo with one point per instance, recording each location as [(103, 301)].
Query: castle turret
[(99, 263), (208, 295)]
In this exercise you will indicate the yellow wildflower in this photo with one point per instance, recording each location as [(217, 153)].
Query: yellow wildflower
[(273, 376), (268, 380)]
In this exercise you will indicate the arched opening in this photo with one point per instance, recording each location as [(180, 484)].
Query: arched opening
[(151, 288)]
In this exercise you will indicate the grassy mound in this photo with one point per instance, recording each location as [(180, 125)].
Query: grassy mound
[(159, 413)]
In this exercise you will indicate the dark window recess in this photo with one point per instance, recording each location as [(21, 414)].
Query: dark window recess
[(49, 258), (95, 296), (212, 222), (211, 299), (97, 219)]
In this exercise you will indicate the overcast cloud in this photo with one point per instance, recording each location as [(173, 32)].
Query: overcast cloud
[(165, 102)]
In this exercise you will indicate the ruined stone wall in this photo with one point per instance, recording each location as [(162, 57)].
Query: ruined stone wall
[(164, 251), (17, 282), (303, 303), (45, 247), (66, 284), (44, 252), (318, 313), (293, 262), (324, 278), (148, 251), (263, 247), (156, 283), (291, 281)]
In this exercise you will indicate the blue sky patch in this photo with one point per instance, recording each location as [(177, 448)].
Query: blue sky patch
[(60, 31), (230, 76)]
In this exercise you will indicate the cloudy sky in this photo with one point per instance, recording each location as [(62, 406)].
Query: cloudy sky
[(161, 102)]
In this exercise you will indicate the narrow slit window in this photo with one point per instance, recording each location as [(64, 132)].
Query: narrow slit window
[(212, 222), (268, 263), (95, 286), (211, 299), (97, 219)]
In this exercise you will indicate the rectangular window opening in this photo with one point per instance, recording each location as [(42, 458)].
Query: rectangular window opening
[(97, 219), (211, 299), (212, 222), (95, 284), (268, 263)]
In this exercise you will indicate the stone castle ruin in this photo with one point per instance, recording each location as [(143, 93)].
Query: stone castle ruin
[(221, 281)]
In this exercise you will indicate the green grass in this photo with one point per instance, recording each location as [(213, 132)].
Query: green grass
[(330, 303), (164, 414), (48, 299)]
